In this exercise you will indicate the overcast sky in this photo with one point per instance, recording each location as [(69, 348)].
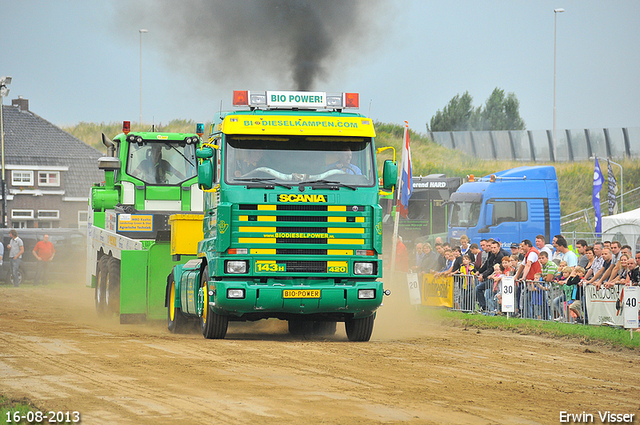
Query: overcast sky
[(80, 60)]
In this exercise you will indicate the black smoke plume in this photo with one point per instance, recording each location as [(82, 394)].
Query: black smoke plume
[(289, 42)]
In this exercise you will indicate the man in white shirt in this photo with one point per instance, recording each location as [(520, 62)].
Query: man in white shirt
[(543, 246)]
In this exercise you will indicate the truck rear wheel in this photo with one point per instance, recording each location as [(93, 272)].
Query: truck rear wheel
[(112, 287), (214, 325), (324, 328), (100, 294), (300, 327), (176, 322), (360, 329)]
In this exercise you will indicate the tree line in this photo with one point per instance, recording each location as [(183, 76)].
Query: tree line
[(500, 112)]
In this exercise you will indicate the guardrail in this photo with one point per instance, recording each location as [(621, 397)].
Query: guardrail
[(537, 145)]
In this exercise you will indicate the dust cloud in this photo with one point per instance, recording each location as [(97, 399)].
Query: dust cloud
[(397, 318), (293, 43)]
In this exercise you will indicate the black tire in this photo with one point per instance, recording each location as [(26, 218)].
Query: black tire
[(360, 329), (176, 322), (112, 287), (324, 328), (101, 276), (213, 325), (300, 327)]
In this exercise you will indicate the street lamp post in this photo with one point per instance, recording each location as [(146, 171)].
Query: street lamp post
[(4, 91), (555, 22), (142, 31)]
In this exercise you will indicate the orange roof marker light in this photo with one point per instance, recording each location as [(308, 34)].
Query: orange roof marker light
[(352, 100), (296, 100), (240, 98)]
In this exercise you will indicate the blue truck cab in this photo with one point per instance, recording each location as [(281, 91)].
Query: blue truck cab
[(511, 205)]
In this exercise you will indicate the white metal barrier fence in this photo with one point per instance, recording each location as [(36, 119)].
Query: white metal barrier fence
[(533, 299)]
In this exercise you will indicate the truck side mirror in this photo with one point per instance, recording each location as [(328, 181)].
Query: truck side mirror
[(204, 153), (389, 174), (206, 168)]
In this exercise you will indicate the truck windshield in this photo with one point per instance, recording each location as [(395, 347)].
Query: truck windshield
[(465, 214), (161, 163), (292, 160)]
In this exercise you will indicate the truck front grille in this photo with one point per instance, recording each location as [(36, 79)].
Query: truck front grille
[(278, 233)]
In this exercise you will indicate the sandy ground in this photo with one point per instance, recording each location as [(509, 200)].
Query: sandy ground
[(58, 354)]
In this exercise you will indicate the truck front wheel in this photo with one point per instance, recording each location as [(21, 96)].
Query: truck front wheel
[(176, 322), (214, 325), (360, 329)]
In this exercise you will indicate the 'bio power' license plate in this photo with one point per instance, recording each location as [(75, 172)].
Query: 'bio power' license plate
[(301, 293)]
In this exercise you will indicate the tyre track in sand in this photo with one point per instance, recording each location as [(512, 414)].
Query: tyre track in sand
[(60, 356)]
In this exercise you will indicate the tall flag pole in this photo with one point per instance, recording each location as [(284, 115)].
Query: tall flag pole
[(598, 180), (612, 188), (404, 189)]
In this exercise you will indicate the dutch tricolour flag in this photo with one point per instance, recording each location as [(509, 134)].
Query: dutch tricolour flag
[(406, 181)]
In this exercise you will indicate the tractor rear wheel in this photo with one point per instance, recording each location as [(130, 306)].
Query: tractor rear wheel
[(112, 287), (100, 294)]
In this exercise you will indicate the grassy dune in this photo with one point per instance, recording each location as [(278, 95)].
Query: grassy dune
[(575, 178)]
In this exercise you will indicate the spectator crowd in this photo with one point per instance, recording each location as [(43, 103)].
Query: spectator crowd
[(549, 278)]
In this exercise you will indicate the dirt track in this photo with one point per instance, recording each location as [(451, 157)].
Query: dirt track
[(55, 352)]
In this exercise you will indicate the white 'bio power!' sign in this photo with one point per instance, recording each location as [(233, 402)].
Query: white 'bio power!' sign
[(508, 295), (630, 306), (292, 99)]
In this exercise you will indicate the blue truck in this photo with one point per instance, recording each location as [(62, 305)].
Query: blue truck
[(512, 205)]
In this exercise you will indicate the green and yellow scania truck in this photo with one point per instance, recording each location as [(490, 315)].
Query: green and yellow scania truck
[(292, 228), (149, 176)]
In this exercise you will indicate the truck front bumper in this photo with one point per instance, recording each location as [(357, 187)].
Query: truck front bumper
[(251, 300)]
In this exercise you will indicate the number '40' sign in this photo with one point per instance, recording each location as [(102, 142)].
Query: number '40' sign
[(630, 303)]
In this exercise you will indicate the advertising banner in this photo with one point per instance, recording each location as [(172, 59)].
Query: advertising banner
[(601, 305), (437, 291)]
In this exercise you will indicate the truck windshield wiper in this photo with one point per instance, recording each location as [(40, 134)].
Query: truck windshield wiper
[(327, 182), (262, 180), (176, 149)]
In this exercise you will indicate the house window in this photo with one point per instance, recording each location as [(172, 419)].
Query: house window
[(21, 214), (83, 218), (48, 178), (48, 214), (22, 178)]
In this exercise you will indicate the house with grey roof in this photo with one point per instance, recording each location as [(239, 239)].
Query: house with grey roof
[(48, 171)]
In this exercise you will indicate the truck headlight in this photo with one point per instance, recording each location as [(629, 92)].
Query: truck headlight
[(363, 268), (235, 293), (366, 294), (236, 267)]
